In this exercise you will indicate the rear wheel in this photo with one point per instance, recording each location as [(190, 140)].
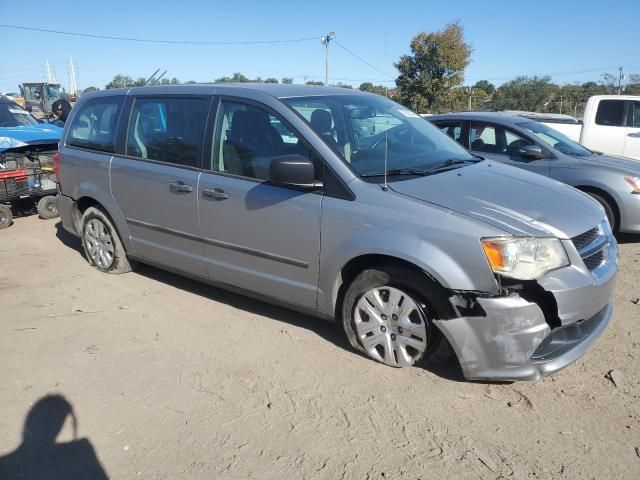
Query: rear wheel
[(6, 216), (608, 209), (102, 245), (387, 314), (48, 207)]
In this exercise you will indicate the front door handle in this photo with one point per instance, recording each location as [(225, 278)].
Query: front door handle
[(634, 134), (215, 193), (180, 187)]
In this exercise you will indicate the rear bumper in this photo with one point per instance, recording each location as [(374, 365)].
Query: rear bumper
[(67, 210)]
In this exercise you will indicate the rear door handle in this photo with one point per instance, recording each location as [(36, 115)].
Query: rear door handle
[(180, 187), (215, 193)]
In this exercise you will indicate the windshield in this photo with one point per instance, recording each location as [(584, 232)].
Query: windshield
[(14, 116), (364, 129), (555, 139)]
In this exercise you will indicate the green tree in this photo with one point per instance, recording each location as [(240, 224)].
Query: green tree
[(313, 82), (530, 94), (435, 67), (235, 78), (486, 86), (342, 85), (271, 80), (89, 90), (370, 87), (120, 81)]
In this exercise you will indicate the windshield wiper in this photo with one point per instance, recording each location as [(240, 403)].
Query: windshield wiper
[(396, 172)]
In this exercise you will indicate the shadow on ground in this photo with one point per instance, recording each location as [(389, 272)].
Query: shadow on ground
[(444, 364), (40, 457)]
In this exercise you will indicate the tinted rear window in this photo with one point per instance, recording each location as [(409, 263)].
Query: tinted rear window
[(94, 125)]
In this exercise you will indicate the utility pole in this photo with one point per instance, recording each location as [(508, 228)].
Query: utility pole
[(73, 85), (470, 91), (560, 103), (620, 78), (325, 41)]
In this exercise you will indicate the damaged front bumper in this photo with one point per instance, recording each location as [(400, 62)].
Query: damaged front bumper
[(513, 338)]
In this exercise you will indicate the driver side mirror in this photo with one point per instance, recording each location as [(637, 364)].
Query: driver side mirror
[(294, 171), (531, 152)]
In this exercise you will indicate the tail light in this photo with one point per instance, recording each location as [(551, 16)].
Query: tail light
[(56, 165)]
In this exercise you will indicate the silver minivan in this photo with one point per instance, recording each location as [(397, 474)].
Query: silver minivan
[(346, 206)]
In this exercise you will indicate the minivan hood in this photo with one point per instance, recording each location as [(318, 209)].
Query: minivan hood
[(519, 202), (623, 164)]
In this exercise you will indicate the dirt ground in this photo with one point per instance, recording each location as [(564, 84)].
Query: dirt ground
[(172, 379)]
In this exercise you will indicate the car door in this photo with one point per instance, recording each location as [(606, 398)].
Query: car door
[(632, 139), (154, 179), (258, 236), (502, 144), (608, 135)]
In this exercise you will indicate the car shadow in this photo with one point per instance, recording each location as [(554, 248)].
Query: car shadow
[(443, 363), (41, 457), (623, 238)]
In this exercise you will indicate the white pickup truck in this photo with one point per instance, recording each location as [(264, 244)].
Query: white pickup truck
[(611, 125)]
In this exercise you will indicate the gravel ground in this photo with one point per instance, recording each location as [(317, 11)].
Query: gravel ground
[(169, 378)]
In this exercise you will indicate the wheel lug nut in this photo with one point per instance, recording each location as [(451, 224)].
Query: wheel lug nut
[(399, 329), (384, 317), (394, 317), (383, 329), (393, 336)]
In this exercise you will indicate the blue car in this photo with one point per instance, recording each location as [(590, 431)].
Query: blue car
[(27, 148)]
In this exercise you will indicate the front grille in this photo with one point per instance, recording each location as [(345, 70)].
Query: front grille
[(593, 247), (586, 238), (595, 260)]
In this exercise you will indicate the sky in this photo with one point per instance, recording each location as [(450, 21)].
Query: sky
[(573, 41)]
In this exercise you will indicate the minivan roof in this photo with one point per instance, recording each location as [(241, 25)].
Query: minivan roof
[(277, 90)]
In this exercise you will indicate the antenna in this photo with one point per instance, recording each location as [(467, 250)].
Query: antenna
[(385, 186)]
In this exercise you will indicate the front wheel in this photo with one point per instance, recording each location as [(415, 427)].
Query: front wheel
[(387, 316), (102, 245), (6, 216), (48, 207)]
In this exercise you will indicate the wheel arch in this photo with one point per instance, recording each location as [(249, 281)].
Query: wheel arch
[(605, 195), (109, 208)]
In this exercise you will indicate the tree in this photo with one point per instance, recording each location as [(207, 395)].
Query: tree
[(530, 94), (342, 85), (486, 86), (235, 78), (287, 80), (271, 80), (435, 67), (370, 87), (313, 82), (120, 81), (89, 90)]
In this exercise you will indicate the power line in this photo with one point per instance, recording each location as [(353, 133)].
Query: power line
[(148, 40), (362, 59)]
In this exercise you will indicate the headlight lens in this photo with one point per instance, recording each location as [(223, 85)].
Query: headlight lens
[(634, 182), (524, 258)]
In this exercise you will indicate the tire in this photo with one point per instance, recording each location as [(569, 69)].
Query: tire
[(608, 209), (6, 216), (101, 243), (401, 336), (48, 207)]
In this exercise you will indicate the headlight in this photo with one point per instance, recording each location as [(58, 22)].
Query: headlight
[(634, 182), (524, 258)]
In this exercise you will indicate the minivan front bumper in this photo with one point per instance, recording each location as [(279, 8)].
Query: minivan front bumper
[(513, 340)]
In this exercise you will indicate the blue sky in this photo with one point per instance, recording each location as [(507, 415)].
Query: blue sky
[(509, 38)]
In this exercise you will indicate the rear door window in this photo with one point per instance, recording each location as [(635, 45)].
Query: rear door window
[(610, 113), (453, 129), (94, 126), (168, 129)]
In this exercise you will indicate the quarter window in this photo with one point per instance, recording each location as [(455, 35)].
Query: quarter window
[(94, 126), (610, 113), (247, 138), (167, 129), (454, 130), (636, 115)]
